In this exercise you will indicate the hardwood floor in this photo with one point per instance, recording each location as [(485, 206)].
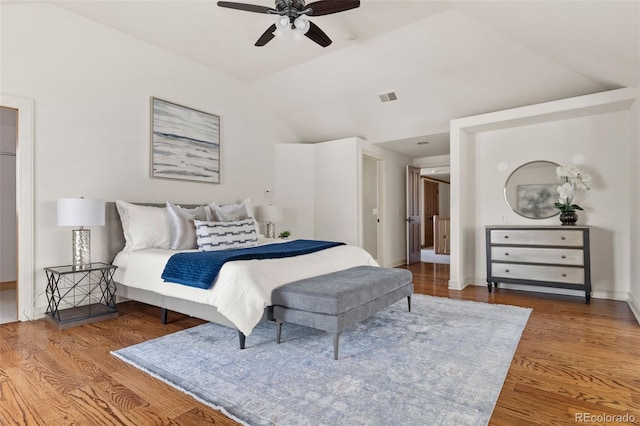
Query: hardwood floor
[(572, 359)]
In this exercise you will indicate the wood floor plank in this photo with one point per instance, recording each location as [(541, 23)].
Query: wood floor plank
[(15, 410), (572, 359), (40, 397)]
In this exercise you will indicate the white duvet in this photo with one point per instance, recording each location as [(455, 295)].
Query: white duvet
[(243, 287)]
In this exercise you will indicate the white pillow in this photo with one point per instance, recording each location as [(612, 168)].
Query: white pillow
[(182, 231), (143, 226), (233, 212), (214, 236)]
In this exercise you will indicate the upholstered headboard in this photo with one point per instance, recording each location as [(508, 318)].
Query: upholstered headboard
[(115, 235)]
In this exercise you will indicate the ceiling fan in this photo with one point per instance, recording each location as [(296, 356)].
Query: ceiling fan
[(291, 16)]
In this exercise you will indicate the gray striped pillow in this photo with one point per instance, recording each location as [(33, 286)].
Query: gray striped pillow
[(213, 236)]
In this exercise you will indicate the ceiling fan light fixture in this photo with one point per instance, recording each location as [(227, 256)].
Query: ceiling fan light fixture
[(302, 25), (289, 16), (283, 23)]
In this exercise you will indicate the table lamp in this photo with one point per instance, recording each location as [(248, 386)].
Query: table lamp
[(81, 212), (270, 215)]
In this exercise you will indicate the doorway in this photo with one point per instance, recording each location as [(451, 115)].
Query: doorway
[(23, 202), (8, 218), (431, 209), (371, 206), (435, 216)]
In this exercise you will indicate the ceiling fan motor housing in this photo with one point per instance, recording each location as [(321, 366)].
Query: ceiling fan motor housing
[(290, 7)]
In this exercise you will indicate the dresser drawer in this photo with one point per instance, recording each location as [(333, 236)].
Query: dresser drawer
[(560, 274), (559, 256), (571, 238)]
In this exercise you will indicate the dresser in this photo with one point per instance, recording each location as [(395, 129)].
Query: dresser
[(546, 256)]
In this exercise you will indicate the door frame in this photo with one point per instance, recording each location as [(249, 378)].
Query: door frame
[(412, 199), (380, 169), (24, 201)]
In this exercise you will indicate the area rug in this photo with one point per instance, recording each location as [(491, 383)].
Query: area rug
[(443, 363)]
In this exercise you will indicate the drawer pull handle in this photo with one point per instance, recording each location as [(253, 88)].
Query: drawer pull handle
[(564, 275), (563, 238), (506, 254), (563, 256), (506, 236), (506, 270)]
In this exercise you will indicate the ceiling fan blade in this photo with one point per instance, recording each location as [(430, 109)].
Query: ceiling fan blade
[(327, 7), (267, 36), (317, 35), (246, 7)]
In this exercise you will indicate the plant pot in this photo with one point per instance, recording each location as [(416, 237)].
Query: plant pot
[(568, 218)]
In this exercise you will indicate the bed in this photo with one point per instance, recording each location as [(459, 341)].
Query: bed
[(241, 295)]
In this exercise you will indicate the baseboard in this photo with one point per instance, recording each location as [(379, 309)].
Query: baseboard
[(38, 313), (457, 285), (396, 263), (595, 294), (8, 285), (635, 306), (611, 295)]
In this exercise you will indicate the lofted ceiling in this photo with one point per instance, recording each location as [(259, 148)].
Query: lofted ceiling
[(443, 59)]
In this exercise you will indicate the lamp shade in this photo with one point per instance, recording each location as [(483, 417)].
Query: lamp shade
[(269, 214), (80, 212)]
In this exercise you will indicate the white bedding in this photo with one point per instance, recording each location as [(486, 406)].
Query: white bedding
[(243, 288)]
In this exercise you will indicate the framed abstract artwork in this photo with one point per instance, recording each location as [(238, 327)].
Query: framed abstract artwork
[(536, 201), (185, 143)]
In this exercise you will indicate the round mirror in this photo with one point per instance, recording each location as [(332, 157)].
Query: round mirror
[(532, 189)]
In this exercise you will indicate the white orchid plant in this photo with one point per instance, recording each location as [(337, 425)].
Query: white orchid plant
[(571, 177)]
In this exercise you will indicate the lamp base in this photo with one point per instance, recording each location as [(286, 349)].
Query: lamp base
[(81, 245), (271, 230)]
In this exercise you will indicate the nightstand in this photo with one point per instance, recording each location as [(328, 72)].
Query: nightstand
[(80, 296)]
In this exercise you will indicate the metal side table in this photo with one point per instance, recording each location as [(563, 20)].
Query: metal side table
[(80, 296)]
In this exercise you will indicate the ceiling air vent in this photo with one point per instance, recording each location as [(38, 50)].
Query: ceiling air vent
[(388, 97)]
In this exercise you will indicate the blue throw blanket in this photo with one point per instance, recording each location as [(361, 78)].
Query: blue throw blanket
[(201, 269)]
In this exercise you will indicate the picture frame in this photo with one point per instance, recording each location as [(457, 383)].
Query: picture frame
[(537, 201), (185, 143)]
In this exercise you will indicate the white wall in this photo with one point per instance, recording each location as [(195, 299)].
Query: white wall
[(336, 191), (8, 122), (370, 195), (634, 290), (92, 87), (331, 198), (597, 127), (294, 189), (604, 140)]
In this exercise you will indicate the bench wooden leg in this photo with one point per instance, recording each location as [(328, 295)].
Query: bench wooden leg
[(336, 342), (409, 302), (242, 339), (278, 331)]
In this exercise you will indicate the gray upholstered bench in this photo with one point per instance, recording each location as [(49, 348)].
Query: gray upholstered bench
[(333, 302)]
